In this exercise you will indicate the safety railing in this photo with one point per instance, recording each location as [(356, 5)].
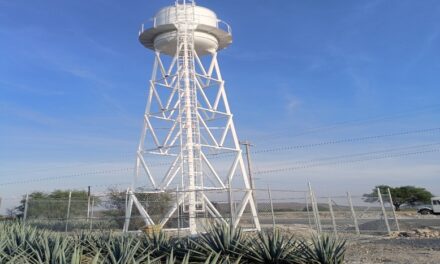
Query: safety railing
[(152, 23)]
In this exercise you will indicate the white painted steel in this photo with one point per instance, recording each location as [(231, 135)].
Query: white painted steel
[(195, 15), (195, 97), (167, 42), (315, 209), (384, 212), (210, 33), (353, 214), (330, 207), (393, 210)]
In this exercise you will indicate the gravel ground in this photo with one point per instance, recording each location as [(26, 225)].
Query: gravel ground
[(376, 249), (394, 250)]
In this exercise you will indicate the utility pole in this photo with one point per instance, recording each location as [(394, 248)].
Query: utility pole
[(248, 145)]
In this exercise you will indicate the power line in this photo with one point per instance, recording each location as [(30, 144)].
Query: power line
[(310, 163), (75, 175), (349, 140), (338, 141), (285, 169), (125, 155), (223, 155), (367, 153), (303, 146), (353, 122), (121, 157)]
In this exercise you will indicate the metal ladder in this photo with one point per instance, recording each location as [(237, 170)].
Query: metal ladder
[(190, 137)]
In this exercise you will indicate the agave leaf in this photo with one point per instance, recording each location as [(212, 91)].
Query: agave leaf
[(272, 247), (215, 257), (323, 249), (220, 238), (170, 259), (76, 256)]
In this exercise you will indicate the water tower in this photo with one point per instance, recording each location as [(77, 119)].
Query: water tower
[(189, 146)]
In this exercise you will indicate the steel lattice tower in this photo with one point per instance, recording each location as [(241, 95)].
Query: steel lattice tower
[(188, 121)]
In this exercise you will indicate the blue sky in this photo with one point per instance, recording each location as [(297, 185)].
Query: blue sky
[(73, 83)]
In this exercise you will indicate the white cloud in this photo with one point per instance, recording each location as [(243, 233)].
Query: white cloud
[(292, 103)]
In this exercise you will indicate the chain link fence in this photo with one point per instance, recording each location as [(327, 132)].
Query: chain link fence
[(353, 214), (301, 209)]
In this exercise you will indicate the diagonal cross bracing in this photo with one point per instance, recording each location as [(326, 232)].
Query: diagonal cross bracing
[(188, 118)]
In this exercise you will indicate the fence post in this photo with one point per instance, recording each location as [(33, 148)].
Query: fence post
[(385, 217), (128, 208), (91, 213), (271, 208), (394, 211), (315, 210), (68, 210), (231, 223), (26, 205), (330, 207), (178, 212), (88, 203), (318, 217), (307, 209), (353, 214)]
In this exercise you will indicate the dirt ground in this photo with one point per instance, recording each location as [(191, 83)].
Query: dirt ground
[(393, 250), (420, 243), (417, 245)]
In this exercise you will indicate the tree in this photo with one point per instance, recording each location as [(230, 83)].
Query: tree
[(53, 205), (409, 195), (156, 204)]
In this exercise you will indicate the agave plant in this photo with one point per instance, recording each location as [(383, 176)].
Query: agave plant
[(158, 243), (50, 248), (217, 258), (91, 244), (221, 245), (13, 242), (323, 249), (222, 239), (17, 237), (5, 251), (171, 259), (125, 249), (273, 247), (187, 248), (158, 240), (79, 258), (26, 244)]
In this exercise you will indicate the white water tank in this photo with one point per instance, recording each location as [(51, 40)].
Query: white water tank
[(209, 37)]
